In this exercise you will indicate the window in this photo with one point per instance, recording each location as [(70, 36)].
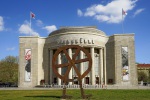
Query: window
[(125, 66)]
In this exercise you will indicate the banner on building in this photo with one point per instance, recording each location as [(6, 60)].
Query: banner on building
[(28, 65), (125, 65)]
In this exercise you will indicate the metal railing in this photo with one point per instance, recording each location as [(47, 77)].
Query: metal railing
[(75, 86)]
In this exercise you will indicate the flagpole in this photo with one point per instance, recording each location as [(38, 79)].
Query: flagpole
[(122, 24), (30, 23)]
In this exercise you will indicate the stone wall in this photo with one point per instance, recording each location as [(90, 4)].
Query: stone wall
[(36, 45), (114, 59), (125, 40), (110, 61)]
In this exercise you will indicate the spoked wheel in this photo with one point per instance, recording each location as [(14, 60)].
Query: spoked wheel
[(71, 64)]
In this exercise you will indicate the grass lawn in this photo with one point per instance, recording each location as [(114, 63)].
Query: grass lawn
[(56, 94)]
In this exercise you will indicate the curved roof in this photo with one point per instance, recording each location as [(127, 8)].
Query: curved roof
[(87, 29)]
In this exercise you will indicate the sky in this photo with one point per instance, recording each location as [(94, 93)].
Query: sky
[(50, 15)]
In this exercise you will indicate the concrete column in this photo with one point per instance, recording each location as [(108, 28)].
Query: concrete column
[(101, 65), (93, 71), (81, 66), (70, 74), (51, 72), (105, 65), (59, 69)]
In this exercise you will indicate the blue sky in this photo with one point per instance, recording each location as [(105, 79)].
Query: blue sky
[(52, 14)]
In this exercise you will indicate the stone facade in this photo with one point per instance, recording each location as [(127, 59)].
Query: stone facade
[(105, 52), (114, 59)]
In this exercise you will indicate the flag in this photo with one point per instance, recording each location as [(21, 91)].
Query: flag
[(124, 12), (32, 15)]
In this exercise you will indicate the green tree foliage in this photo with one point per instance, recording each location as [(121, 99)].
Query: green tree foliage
[(9, 69), (149, 76), (142, 76)]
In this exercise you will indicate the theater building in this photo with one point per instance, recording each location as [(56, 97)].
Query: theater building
[(113, 57)]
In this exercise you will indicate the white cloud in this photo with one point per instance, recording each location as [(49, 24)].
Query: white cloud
[(138, 11), (10, 49), (25, 29), (1, 23), (111, 12), (50, 28), (79, 12), (39, 23)]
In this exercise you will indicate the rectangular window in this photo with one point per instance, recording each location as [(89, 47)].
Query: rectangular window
[(63, 61), (77, 65), (96, 64), (85, 65), (28, 65), (125, 65)]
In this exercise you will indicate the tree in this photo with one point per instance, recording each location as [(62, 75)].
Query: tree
[(142, 76), (149, 76), (9, 69)]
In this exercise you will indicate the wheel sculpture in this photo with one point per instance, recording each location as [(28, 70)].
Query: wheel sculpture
[(71, 64)]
